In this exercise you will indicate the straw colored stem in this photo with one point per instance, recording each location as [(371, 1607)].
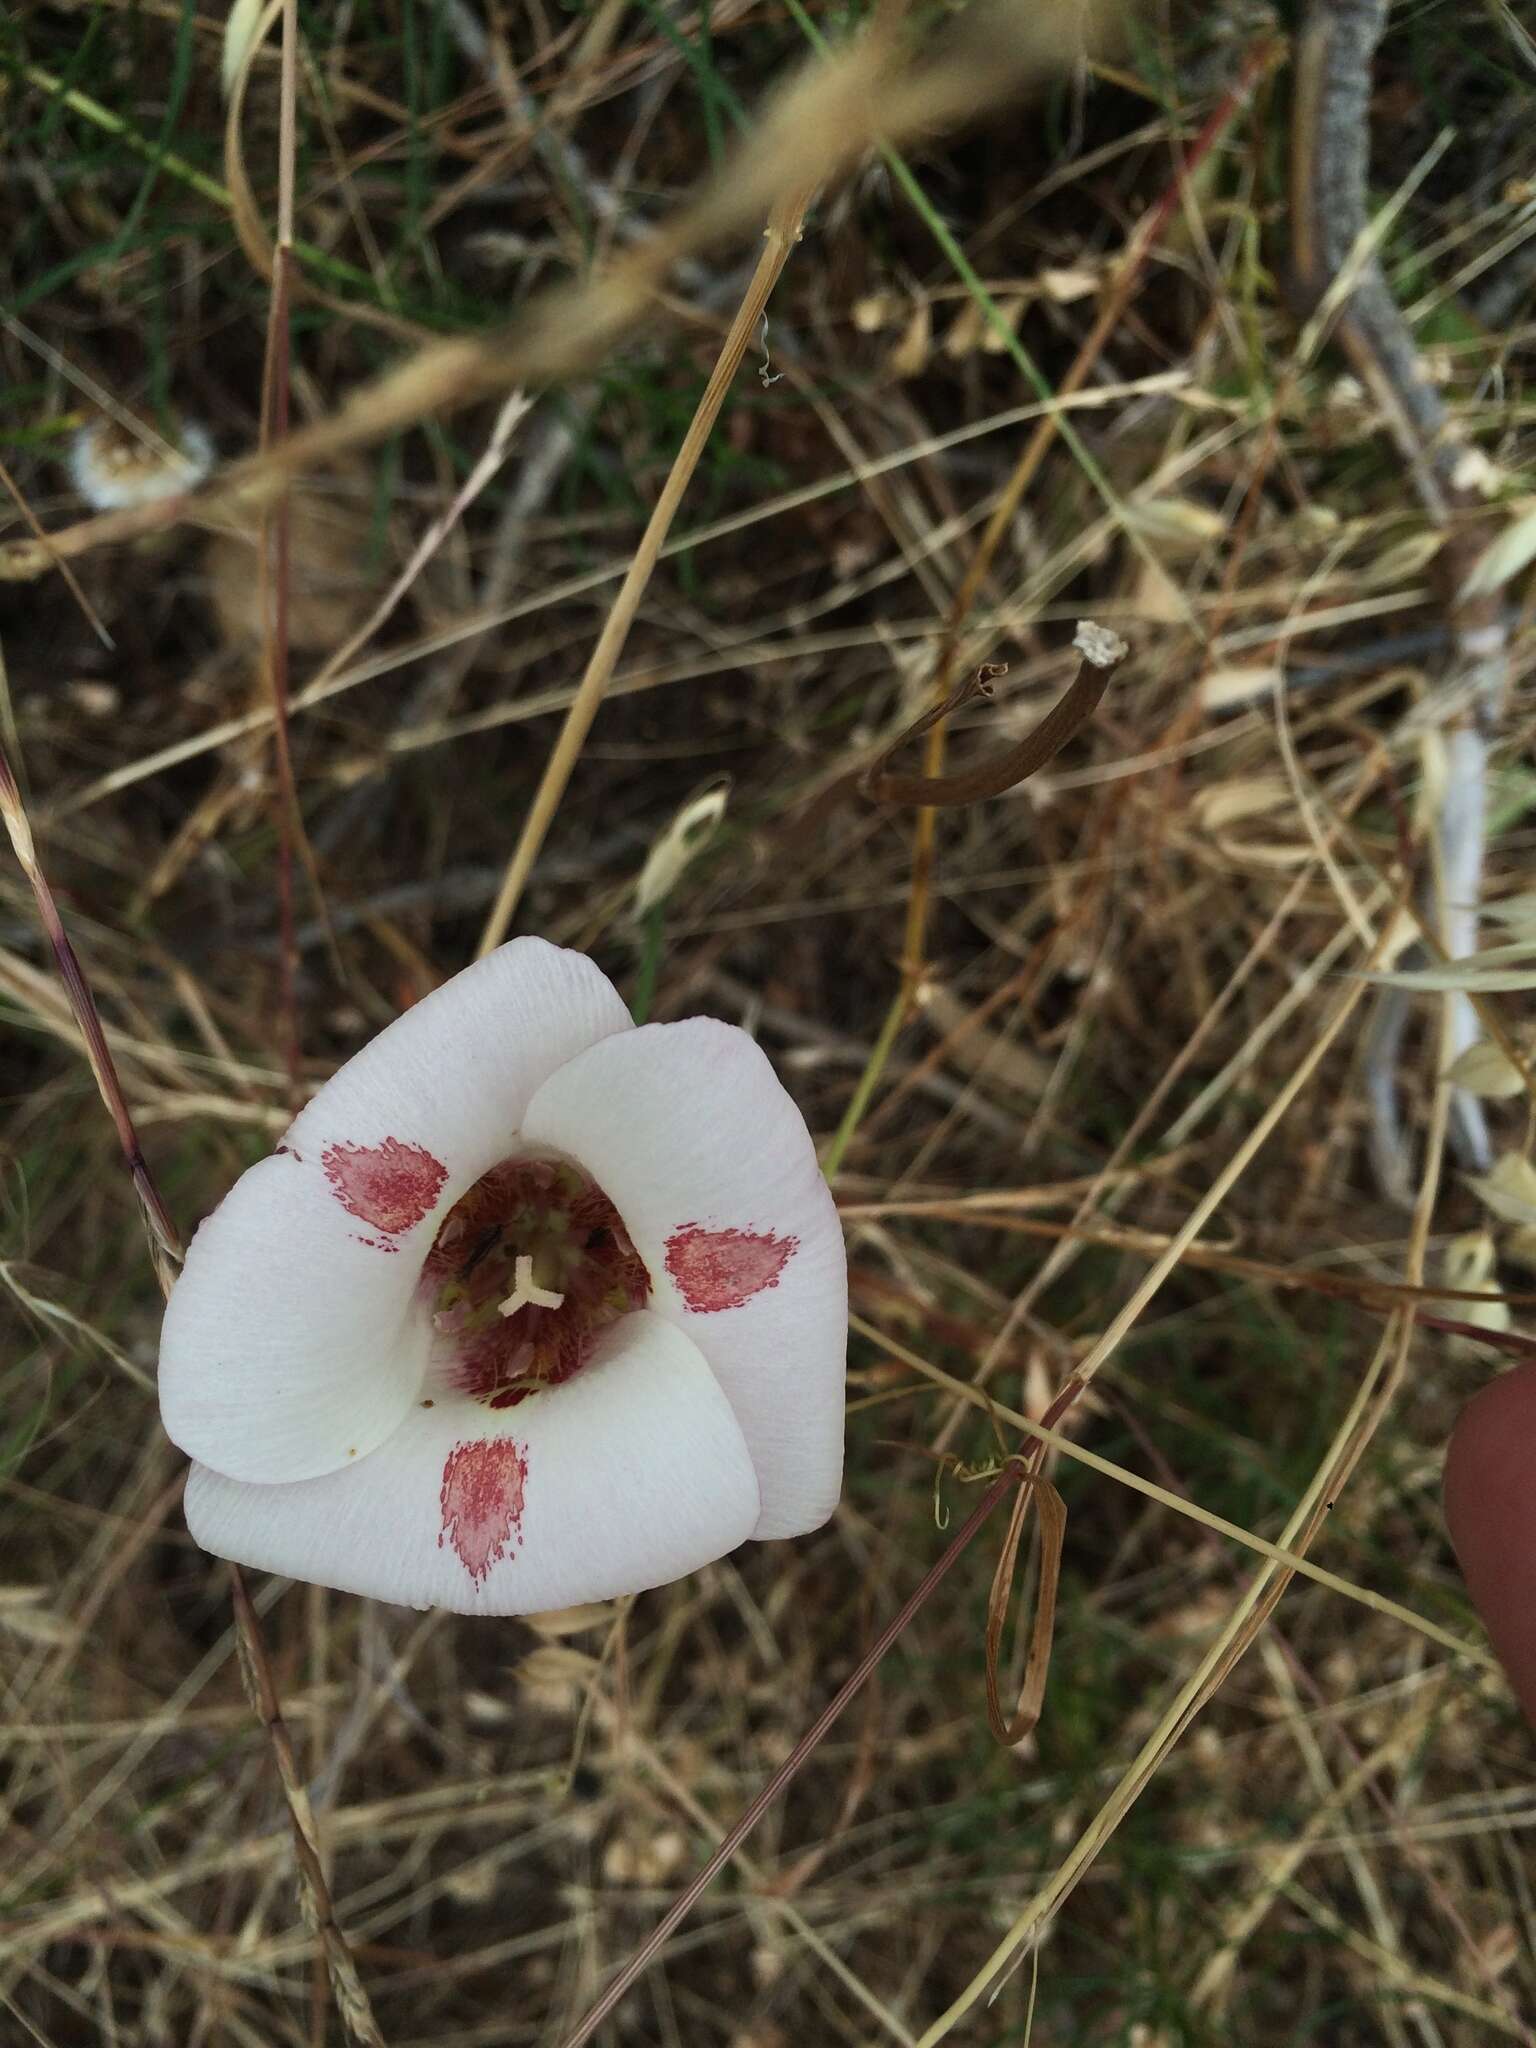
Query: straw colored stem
[(782, 233)]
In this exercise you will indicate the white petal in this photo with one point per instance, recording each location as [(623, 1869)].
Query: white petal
[(458, 1068), (293, 1340), (629, 1475), (708, 1161)]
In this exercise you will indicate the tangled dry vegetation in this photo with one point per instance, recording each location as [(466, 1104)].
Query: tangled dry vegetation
[(1038, 1033)]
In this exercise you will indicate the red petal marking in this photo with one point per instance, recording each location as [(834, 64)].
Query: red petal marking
[(482, 1501), (723, 1268), (392, 1186)]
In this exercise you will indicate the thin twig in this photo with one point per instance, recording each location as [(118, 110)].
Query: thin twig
[(92, 616), (164, 1244), (782, 233), (275, 559), (256, 1669)]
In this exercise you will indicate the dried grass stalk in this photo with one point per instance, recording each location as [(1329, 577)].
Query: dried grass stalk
[(813, 130)]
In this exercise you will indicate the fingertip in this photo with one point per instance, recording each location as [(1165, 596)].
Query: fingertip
[(1490, 1508)]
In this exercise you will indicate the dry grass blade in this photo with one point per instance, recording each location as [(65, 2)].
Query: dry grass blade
[(1047, 1438), (1354, 1433), (165, 1252), (351, 1999), (782, 233), (1012, 1729), (812, 131), (1090, 1048)]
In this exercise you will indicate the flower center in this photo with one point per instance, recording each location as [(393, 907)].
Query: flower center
[(529, 1268)]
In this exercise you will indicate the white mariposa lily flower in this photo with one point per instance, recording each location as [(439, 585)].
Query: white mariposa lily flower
[(530, 1307)]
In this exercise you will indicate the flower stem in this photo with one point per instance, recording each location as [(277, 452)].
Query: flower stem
[(869, 1081), (650, 960)]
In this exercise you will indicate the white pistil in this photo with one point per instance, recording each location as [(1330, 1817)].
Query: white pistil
[(524, 1293)]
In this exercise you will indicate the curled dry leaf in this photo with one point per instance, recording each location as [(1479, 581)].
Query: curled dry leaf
[(1178, 524), (1066, 286), (1247, 796), (909, 358), (1509, 1191), (1225, 688), (1485, 1069), (1468, 1264), (239, 34), (1405, 560), (1102, 651), (684, 839), (1514, 550)]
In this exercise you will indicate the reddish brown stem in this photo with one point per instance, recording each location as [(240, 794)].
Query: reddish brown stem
[(164, 1242)]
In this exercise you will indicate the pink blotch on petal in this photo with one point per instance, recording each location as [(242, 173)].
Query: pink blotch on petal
[(391, 1185), (482, 1502), (717, 1269)]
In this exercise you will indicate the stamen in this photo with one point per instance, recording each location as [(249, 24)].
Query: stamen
[(524, 1293), (534, 1234)]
